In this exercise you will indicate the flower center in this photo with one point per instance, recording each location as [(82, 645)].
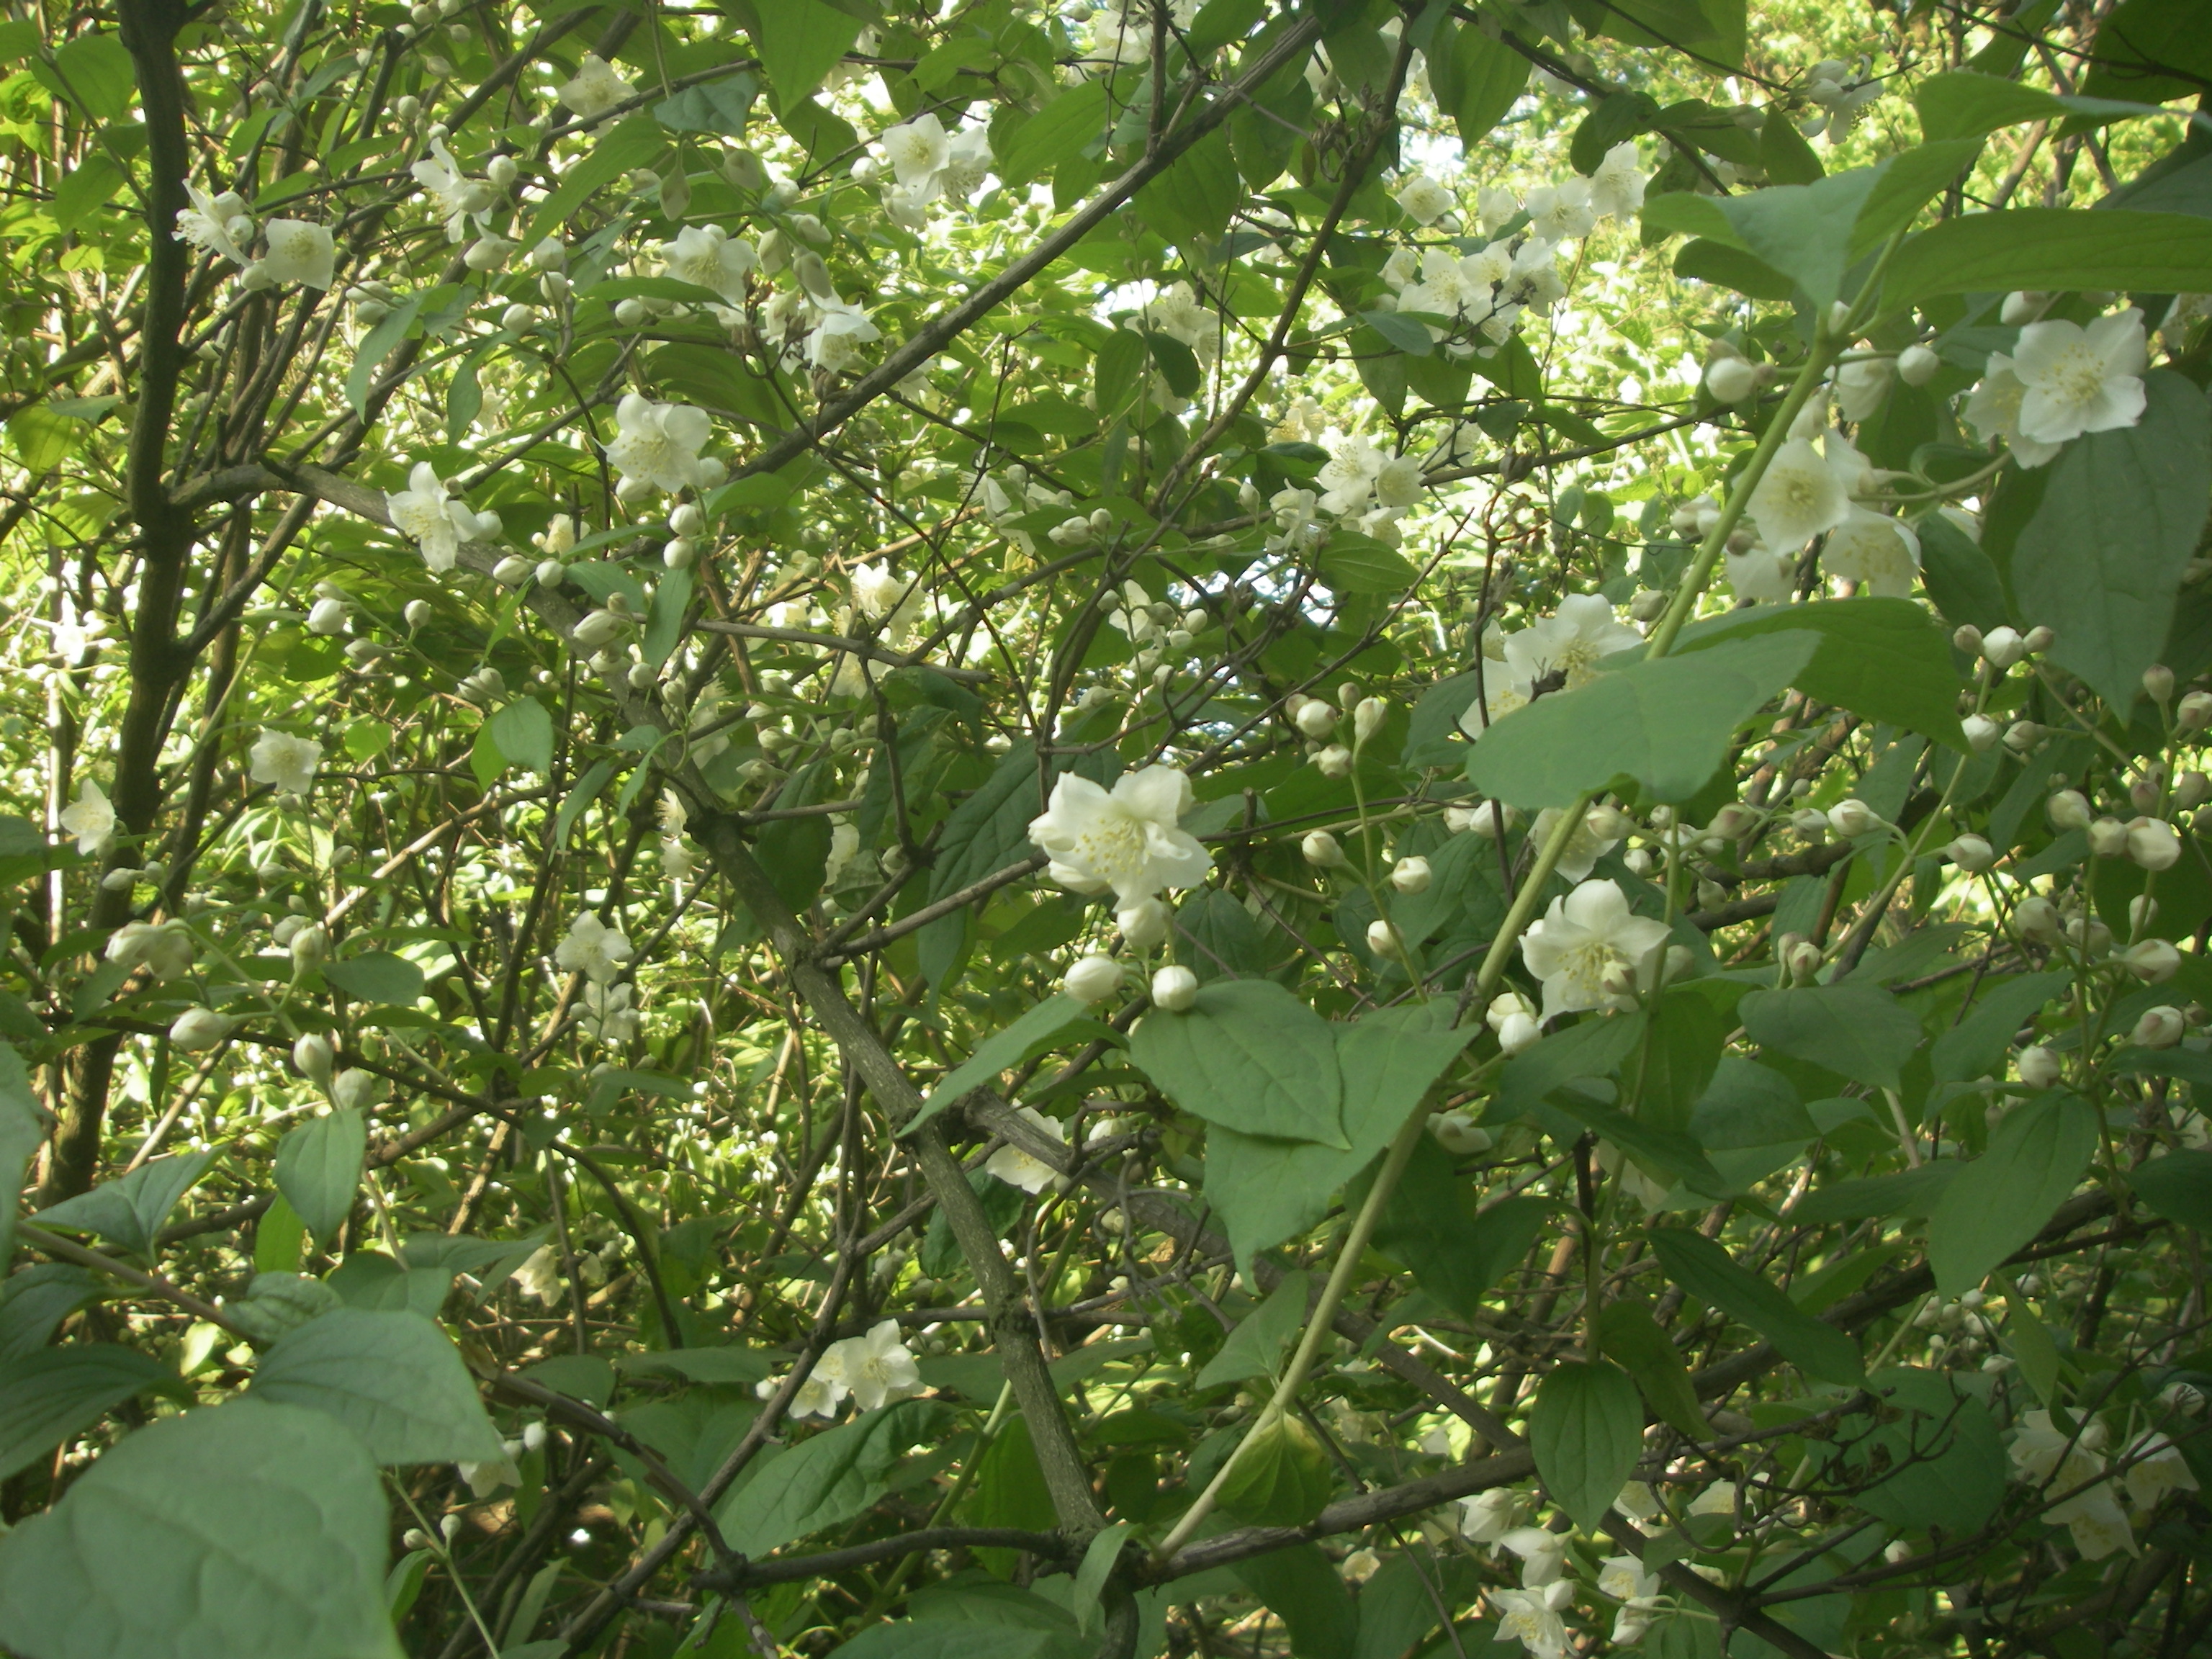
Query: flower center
[(1584, 964), (1113, 844), (2077, 379)]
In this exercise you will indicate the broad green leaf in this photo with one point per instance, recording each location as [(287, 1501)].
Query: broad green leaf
[(1666, 724), (2102, 559), (1707, 1272), (1884, 658), (800, 41), (637, 141), (1803, 231), (1586, 1432), (1906, 184), (130, 1211), (1301, 1586), (247, 1530), (1254, 1347), (2051, 248), (1706, 260), (2154, 49), (1282, 1477), (999, 1052), (1961, 104), (1455, 1252), (1782, 151), (1633, 1338), (1388, 1058), (826, 1480), (1266, 1189), (1055, 135), (1857, 1031), (1749, 1105), (2178, 1187), (1193, 200), (712, 106), (1949, 1465), (524, 732), (85, 190), (1250, 1056), (280, 1238), (1907, 1192), (1100, 1557), (991, 829), (318, 1169), (93, 72), (1958, 576), (377, 976), (1352, 563), (1669, 1150), (395, 1380), (1477, 79), (1978, 1044), (19, 1135), (2000, 1201), (49, 1396), (1590, 1048)]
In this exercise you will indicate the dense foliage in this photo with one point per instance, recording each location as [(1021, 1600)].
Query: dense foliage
[(1318, 827)]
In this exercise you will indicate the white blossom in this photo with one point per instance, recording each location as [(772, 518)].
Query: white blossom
[(1532, 1617), (1993, 411), (1016, 1168), (207, 223), (1179, 314), (1424, 199), (1570, 642), (2077, 380), (539, 1276), (876, 1367), (706, 256), (285, 761), (428, 517), (1562, 212), (1583, 935), (90, 818), (819, 1395), (591, 948), (1804, 492), (164, 947), (1874, 549), (833, 345), (1617, 187), (2159, 1469), (457, 197), (1126, 840), (299, 252), (1487, 1516), (917, 150), (658, 444), (594, 88), (1543, 1555)]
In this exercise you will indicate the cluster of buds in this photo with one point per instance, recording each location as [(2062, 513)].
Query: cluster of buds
[(1321, 723)]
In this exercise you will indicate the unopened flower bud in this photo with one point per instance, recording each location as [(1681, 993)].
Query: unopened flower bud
[(1730, 379), (1518, 1031), (2146, 792), (1382, 940), (1174, 988), (2194, 712), (1803, 962), (2191, 789), (2039, 640), (1981, 731), (2160, 1028), (2036, 918), (1367, 717), (2158, 680), (2108, 838), (354, 1089), (1458, 1134), (1810, 822), (2039, 1067), (1094, 978), (2022, 736), (1917, 365), (550, 572), (1618, 981), (2023, 306), (197, 1029), (1316, 717), (2152, 844), (1968, 639), (1333, 762), (313, 1056), (1411, 875), (416, 612), (2153, 961), (2070, 810), (327, 617), (1144, 925), (1647, 605), (1853, 818), (1322, 849), (309, 946), (2143, 913), (1972, 852), (2002, 647)]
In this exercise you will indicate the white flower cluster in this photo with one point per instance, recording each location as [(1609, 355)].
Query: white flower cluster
[(1564, 647), (1533, 1613), (2060, 382), (874, 1370), (927, 162), (296, 250), (2045, 1455)]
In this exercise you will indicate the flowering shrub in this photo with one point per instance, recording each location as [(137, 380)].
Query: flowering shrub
[(1323, 829)]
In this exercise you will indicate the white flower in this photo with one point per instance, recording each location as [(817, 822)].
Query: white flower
[(1347, 480), (876, 1367), (1175, 989), (1015, 1167), (1617, 188), (2158, 1470), (1803, 494), (1602, 829), (706, 256), (89, 817), (1126, 839), (659, 443), (1634, 1621), (206, 223), (299, 252), (1570, 642), (1179, 314), (1487, 1516), (1761, 575), (835, 343), (1424, 200), (591, 948), (2079, 379), (594, 88), (165, 947), (1496, 207), (1501, 694), (456, 196), (1532, 1617), (288, 762), (423, 514), (1094, 978), (818, 1396), (1875, 549), (1862, 384), (918, 150), (1543, 1555), (1583, 935), (1623, 1578), (1561, 212), (1399, 483), (1993, 411), (540, 1276)]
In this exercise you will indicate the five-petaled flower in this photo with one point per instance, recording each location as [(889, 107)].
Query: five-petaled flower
[(592, 949), (1015, 1167), (89, 817), (658, 444), (285, 761), (594, 88), (1126, 840), (299, 252), (876, 1367), (436, 523), (1580, 943)]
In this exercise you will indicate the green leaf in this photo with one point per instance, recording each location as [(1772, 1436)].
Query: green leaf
[(1266, 1189), (990, 829), (377, 976), (1958, 576), (1782, 151), (1942, 1445), (1961, 104), (376, 346), (1709, 261), (318, 1169), (1586, 1431), (85, 190), (1803, 231), (663, 626), (280, 1238), (799, 42), (1193, 200), (2178, 1187), (1250, 1056), (1589, 1048), (723, 106), (1254, 1347), (395, 1380), (2000, 1201), (1055, 135), (1667, 1149), (93, 72), (1454, 1251), (1301, 1586), (1706, 1272), (637, 141), (2102, 559), (1978, 1044), (2150, 49), (1665, 724), (130, 1211), (998, 1052), (2052, 249), (1477, 79), (248, 1530), (1388, 1060), (1884, 658), (44, 439), (1857, 1031), (1352, 563), (1282, 1477), (826, 1480), (580, 795), (1749, 1105), (1633, 1337), (1100, 1557), (523, 730), (48, 1397), (1906, 184), (1907, 1192), (20, 1136)]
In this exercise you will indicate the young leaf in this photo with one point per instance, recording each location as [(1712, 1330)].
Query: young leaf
[(1586, 1432), (2000, 1200), (1281, 1479)]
